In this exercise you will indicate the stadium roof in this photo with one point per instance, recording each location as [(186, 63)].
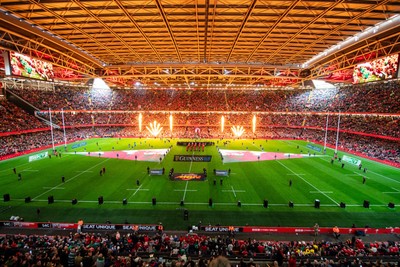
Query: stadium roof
[(201, 42)]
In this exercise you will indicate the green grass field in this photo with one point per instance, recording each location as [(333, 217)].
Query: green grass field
[(313, 177)]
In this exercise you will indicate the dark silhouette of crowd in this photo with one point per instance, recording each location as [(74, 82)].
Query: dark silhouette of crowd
[(369, 114), (191, 249)]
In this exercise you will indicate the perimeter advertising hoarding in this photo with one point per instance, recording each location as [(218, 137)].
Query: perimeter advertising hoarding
[(380, 69), (38, 156), (210, 228), (188, 176), (192, 158), (25, 66), (351, 160)]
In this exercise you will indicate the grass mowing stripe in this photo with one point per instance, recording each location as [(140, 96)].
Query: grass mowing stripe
[(233, 190), (205, 203), (35, 198), (190, 168), (134, 193), (259, 179), (327, 160), (385, 177), (308, 183), (5, 170), (184, 193)]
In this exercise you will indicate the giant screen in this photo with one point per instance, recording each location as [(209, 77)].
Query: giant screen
[(22, 65), (376, 70)]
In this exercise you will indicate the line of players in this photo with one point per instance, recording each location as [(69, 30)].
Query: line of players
[(194, 146)]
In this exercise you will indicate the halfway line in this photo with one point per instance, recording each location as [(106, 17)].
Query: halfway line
[(184, 193)]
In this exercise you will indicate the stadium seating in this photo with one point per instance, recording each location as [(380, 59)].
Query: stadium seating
[(368, 133)]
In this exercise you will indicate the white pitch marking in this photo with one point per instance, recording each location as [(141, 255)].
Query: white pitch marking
[(385, 177), (183, 190), (309, 183), (137, 190), (29, 170), (187, 182), (295, 174), (184, 194), (83, 171), (133, 189), (61, 188), (359, 174), (321, 192), (233, 191), (368, 170), (69, 179), (395, 189)]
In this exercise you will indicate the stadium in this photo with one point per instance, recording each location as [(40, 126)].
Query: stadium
[(171, 132)]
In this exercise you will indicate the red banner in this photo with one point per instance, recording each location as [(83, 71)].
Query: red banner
[(244, 229), (322, 230)]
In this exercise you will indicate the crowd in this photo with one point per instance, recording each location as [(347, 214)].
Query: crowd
[(161, 249), (12, 144), (15, 119), (370, 124), (382, 97), (90, 113), (279, 114)]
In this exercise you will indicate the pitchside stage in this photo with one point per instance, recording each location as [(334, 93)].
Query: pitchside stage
[(183, 182)]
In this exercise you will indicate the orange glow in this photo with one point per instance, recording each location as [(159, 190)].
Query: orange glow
[(140, 122), (254, 123)]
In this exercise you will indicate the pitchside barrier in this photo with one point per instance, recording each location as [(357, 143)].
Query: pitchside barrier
[(156, 172), (210, 228)]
